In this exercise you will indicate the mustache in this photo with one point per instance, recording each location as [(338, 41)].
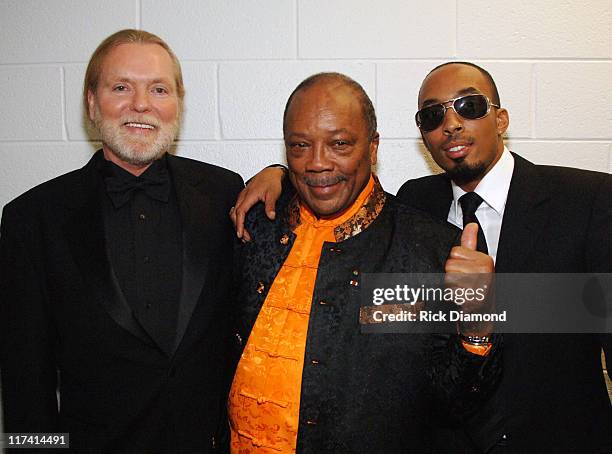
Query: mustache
[(323, 180), (458, 138)]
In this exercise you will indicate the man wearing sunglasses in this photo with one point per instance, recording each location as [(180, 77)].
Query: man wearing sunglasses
[(534, 219)]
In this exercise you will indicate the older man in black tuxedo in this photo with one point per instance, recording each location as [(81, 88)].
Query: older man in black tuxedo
[(115, 276)]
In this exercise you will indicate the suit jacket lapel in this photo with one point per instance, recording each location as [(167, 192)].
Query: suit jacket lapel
[(194, 207), (432, 195), (441, 198), (524, 216), (85, 235)]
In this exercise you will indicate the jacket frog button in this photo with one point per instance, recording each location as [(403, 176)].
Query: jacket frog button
[(260, 287)]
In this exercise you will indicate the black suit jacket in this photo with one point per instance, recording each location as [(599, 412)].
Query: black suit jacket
[(65, 323), (552, 397)]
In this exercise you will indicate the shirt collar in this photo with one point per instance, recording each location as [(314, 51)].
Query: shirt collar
[(494, 186), (110, 169), (357, 218)]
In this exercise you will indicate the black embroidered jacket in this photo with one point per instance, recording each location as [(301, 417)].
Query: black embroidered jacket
[(365, 393)]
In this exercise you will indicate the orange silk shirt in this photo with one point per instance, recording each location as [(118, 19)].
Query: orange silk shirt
[(264, 401)]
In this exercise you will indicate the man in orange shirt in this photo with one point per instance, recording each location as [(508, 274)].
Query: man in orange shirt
[(308, 379)]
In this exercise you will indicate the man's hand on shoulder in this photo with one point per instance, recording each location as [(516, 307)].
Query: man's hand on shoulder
[(264, 187)]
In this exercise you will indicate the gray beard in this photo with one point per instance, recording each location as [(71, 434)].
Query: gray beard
[(124, 148)]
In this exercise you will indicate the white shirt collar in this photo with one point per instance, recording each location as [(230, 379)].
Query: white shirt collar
[(494, 186)]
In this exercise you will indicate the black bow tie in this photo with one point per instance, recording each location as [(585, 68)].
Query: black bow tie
[(155, 185)]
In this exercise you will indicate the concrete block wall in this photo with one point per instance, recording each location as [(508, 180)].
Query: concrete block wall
[(552, 60), (241, 59)]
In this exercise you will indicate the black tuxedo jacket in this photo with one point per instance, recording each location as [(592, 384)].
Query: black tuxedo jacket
[(552, 397), (65, 323)]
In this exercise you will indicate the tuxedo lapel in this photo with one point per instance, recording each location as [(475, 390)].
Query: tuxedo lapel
[(525, 216), (84, 231), (194, 207)]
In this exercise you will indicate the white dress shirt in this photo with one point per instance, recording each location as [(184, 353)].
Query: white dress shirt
[(493, 189)]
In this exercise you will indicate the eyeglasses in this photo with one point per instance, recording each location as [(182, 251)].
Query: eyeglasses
[(470, 107)]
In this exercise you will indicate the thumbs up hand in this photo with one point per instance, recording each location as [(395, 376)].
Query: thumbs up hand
[(469, 236), (465, 258), (468, 270)]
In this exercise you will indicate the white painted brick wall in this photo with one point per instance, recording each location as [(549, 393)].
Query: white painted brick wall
[(551, 59), (585, 87), (200, 119), (341, 29), (77, 126), (253, 94), (224, 30), (248, 156), (397, 84), (32, 103), (585, 155), (399, 160), (534, 29), (24, 165), (35, 31)]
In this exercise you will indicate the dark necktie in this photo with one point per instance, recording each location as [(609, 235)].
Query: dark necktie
[(155, 185), (470, 201)]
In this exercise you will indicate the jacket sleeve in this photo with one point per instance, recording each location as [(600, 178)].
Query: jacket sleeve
[(599, 248), (461, 380), (27, 363)]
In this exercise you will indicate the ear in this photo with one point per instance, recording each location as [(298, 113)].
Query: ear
[(503, 121), (91, 105), (374, 148)]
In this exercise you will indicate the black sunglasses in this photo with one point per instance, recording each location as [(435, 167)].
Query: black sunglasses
[(470, 107)]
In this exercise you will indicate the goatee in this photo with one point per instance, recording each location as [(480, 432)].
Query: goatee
[(462, 173)]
